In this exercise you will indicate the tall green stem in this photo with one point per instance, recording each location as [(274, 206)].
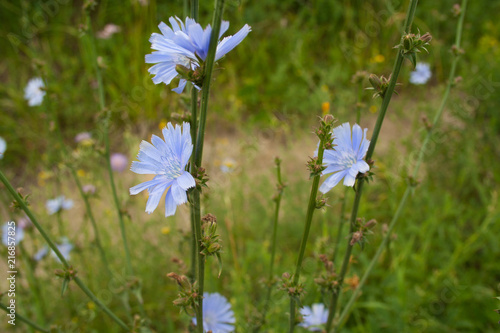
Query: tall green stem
[(198, 155), (409, 188), (383, 109), (107, 154), (280, 186), (305, 235), (54, 248), (26, 320), (92, 219)]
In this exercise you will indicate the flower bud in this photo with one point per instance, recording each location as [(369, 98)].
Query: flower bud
[(328, 118), (375, 81), (426, 38), (183, 71)]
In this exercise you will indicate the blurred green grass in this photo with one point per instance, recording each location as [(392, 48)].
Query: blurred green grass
[(439, 275)]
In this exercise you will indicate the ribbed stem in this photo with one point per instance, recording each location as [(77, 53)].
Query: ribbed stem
[(54, 248), (311, 207), (198, 155), (376, 131), (408, 190)]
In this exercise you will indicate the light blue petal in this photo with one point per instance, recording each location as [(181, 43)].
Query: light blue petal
[(357, 137), (154, 198), (223, 28), (361, 166), (170, 206), (166, 30), (342, 137), (180, 88), (143, 168), (229, 43), (350, 178), (364, 146), (149, 184), (179, 195), (332, 181), (186, 181), (332, 168)]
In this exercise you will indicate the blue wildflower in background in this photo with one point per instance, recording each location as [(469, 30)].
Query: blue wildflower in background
[(64, 247), (34, 92), (3, 147), (167, 160), (118, 161), (314, 317), (217, 314), (345, 160), (421, 74), (58, 204), (186, 44), (17, 237)]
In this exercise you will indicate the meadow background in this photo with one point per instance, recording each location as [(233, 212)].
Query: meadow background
[(440, 272)]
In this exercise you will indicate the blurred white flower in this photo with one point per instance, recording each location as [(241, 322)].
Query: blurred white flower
[(228, 165), (34, 92)]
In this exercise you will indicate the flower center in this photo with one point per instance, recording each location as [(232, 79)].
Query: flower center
[(347, 159), (173, 168)]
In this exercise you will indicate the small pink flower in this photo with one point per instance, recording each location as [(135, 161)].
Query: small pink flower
[(119, 162), (89, 188), (108, 31)]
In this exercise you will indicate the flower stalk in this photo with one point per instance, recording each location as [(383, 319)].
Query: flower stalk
[(359, 190), (316, 167), (198, 154), (410, 185)]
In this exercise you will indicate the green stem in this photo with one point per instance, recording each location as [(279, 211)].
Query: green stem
[(275, 232), (194, 124), (305, 235), (25, 320), (60, 223), (198, 156), (92, 220), (341, 225), (378, 126), (54, 248), (107, 154), (209, 65), (421, 156), (194, 10)]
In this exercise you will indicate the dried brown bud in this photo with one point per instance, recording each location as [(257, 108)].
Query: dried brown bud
[(356, 237)]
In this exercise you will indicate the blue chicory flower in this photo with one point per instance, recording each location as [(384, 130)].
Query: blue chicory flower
[(186, 44), (422, 74), (58, 204), (18, 236), (167, 160), (217, 314), (345, 160), (314, 317), (64, 247), (34, 92)]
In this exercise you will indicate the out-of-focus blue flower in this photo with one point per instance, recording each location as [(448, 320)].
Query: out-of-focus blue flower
[(65, 248), (217, 314), (167, 159), (314, 317), (40, 254), (186, 44), (345, 160), (3, 147), (421, 74), (58, 204), (119, 162), (18, 234), (34, 92)]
